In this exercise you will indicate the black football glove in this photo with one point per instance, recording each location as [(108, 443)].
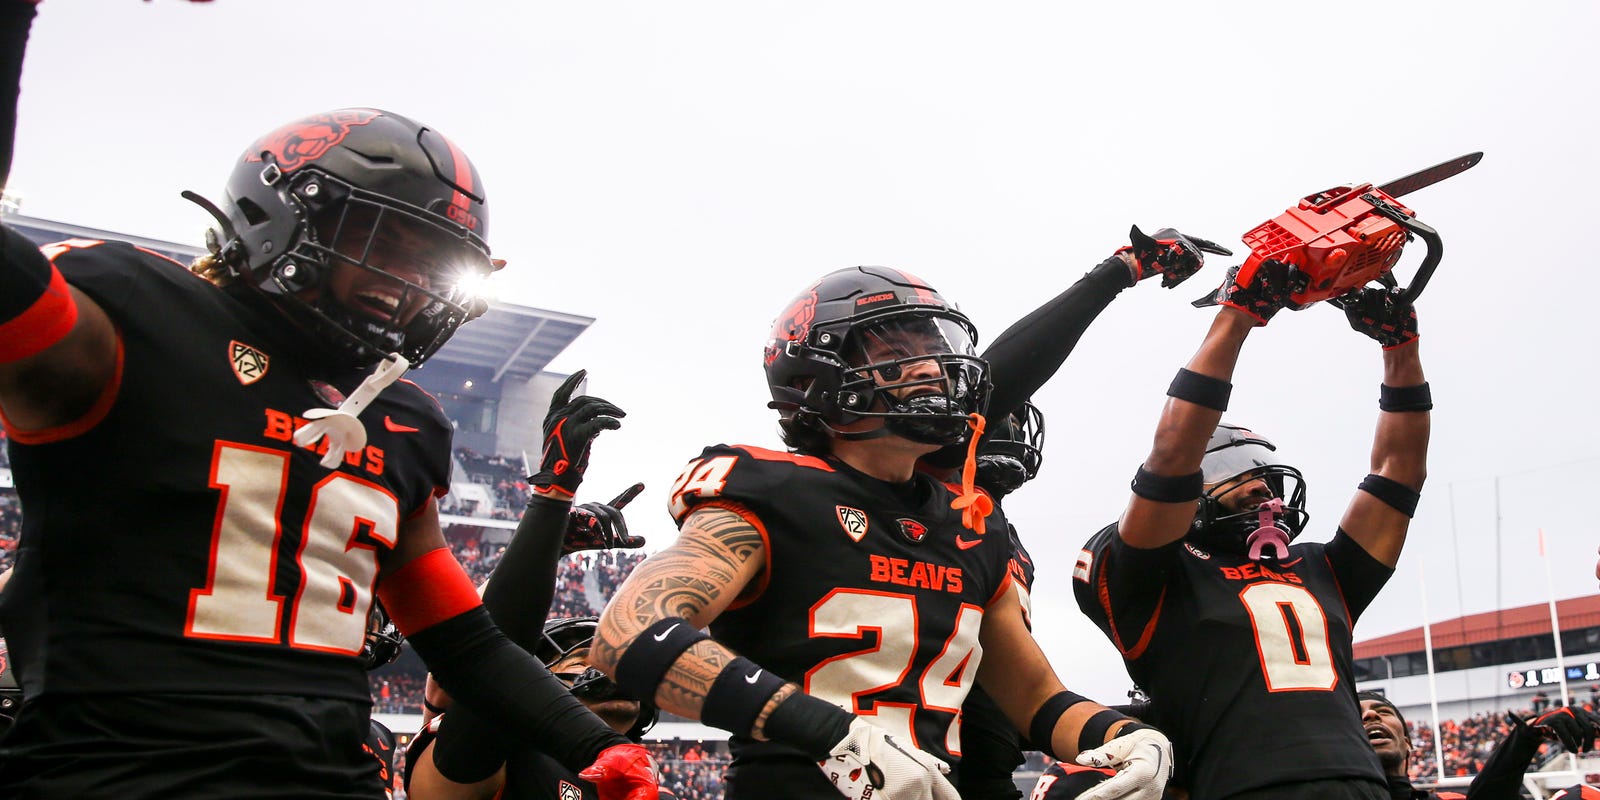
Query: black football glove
[(600, 526), (1573, 727), (1170, 254), (569, 429), (1380, 314), (1266, 292)]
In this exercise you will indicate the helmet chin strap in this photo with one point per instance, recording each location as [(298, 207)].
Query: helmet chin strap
[(1268, 534)]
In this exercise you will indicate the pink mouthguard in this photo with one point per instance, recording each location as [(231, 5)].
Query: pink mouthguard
[(1269, 534)]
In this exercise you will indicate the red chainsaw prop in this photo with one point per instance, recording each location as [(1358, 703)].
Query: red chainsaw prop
[(1342, 239)]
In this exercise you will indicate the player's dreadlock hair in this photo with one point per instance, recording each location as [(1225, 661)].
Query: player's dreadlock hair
[(212, 268)]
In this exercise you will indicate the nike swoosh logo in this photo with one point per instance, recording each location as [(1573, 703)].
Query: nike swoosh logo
[(662, 636), (752, 677), (388, 422), (967, 544)]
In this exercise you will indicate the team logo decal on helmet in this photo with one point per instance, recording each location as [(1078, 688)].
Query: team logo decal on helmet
[(249, 363), (869, 342), (913, 530), (309, 139), (853, 520), (793, 324)]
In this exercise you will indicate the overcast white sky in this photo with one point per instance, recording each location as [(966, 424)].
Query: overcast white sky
[(680, 169)]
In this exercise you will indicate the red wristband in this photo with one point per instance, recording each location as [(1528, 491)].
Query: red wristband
[(427, 591)]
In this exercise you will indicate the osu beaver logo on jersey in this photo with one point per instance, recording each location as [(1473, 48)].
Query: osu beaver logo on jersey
[(249, 364), (793, 324), (1196, 552), (306, 140), (327, 392), (913, 530), (853, 520)]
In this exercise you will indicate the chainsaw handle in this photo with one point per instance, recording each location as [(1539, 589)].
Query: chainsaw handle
[(1429, 262)]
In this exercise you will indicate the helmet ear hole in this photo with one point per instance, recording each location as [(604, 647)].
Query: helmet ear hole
[(253, 213)]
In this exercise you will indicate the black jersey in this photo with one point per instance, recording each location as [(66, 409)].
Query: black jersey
[(991, 745), (1249, 663), (872, 594), (380, 745), (1065, 781), (175, 540)]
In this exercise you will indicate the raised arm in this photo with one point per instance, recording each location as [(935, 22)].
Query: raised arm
[(1380, 514), (1168, 484), (58, 350)]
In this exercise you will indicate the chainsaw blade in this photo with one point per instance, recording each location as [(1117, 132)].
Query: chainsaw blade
[(1431, 175)]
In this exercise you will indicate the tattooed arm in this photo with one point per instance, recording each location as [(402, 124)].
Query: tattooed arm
[(717, 555)]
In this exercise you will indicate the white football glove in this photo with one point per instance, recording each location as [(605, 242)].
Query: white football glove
[(869, 764), (1143, 761)]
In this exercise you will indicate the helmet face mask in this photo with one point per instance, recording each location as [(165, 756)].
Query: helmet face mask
[(871, 342), (1011, 453), (324, 194), (1241, 469), (563, 639), (384, 641)]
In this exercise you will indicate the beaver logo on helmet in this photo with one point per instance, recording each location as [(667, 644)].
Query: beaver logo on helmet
[(794, 323), (308, 139)]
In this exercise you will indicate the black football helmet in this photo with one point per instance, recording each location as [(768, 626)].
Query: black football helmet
[(1235, 458), (561, 638), (320, 191), (10, 690), (1012, 450), (835, 340), (384, 641)]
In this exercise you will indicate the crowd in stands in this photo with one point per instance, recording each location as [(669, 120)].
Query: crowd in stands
[(1468, 742), (692, 770), (10, 527), (504, 477)]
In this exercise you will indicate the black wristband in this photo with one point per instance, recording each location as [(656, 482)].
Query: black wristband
[(1405, 398), (1042, 728), (737, 696), (647, 660), (431, 707), (808, 723), (1202, 390), (1168, 488), (1134, 726), (1093, 733), (1393, 493)]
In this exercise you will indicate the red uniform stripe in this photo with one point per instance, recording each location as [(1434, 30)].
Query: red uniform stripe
[(46, 322), (428, 591), (463, 175), (921, 286)]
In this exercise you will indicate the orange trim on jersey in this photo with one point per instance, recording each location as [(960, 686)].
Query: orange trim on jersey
[(427, 591), (758, 587), (763, 454), (1339, 587), (1000, 592), (1103, 591), (78, 427), (43, 324)]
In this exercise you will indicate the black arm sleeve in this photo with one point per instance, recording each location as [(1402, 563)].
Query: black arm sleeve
[(1501, 776), (480, 668), (15, 20), (469, 748), (1360, 575), (1029, 352)]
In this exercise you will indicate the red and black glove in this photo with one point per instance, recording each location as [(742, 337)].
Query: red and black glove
[(623, 772), (569, 429), (1574, 727), (1170, 254), (1266, 291), (600, 526), (1380, 314)]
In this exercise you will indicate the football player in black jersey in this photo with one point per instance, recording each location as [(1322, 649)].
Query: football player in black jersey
[(527, 774), (1243, 637), (836, 574), (191, 590)]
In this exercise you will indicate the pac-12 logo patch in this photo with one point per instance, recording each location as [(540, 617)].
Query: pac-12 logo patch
[(913, 530), (567, 791), (249, 364), (853, 520)]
